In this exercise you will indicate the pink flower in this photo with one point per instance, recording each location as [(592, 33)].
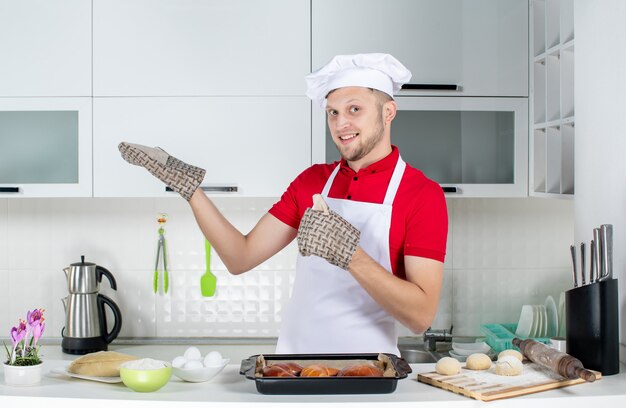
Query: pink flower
[(25, 346), (35, 317), (37, 332), (18, 333)]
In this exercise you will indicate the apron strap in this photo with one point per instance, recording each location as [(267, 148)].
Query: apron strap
[(330, 180), (394, 183)]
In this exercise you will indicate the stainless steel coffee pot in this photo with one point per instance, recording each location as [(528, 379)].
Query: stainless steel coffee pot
[(85, 277), (86, 316), (86, 329)]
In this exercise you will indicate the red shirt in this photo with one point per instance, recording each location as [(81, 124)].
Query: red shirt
[(419, 218)]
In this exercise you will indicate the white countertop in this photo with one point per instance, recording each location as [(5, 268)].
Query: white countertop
[(231, 389)]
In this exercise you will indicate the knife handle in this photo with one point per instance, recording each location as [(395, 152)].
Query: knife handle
[(606, 231), (583, 263), (597, 251), (572, 249), (592, 261)]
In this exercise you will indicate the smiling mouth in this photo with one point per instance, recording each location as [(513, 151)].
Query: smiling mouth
[(345, 138)]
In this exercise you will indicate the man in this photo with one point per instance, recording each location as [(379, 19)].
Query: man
[(375, 256)]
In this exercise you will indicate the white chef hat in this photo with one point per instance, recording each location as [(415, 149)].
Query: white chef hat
[(377, 71)]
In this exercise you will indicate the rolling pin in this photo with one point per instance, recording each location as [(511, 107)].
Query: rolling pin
[(560, 363)]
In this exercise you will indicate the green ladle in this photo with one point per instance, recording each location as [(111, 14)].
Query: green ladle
[(208, 281)]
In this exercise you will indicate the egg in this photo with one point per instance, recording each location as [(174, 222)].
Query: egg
[(192, 353), (193, 364), (213, 359), (179, 362)]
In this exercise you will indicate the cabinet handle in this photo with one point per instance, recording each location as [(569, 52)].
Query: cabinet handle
[(9, 189), (449, 189), (221, 189), (433, 87)]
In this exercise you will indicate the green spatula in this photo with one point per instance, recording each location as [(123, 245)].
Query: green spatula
[(208, 281)]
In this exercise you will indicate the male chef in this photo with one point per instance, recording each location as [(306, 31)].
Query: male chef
[(371, 252)]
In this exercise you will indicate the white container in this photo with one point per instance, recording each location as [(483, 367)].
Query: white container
[(200, 374), (22, 375)]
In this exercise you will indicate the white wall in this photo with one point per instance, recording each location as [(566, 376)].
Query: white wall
[(601, 130), (502, 253)]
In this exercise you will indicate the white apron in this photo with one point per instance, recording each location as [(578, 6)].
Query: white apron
[(329, 311)]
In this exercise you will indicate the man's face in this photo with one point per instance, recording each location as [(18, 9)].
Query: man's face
[(355, 121)]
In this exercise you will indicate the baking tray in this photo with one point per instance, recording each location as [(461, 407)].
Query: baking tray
[(397, 367)]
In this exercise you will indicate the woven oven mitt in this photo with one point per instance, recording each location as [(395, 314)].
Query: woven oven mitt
[(326, 234), (179, 176)]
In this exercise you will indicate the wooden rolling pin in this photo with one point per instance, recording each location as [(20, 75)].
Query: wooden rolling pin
[(560, 363)]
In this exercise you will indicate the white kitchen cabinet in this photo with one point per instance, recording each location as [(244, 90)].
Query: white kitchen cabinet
[(45, 48), (552, 99), (45, 147), (200, 48), (254, 144), (481, 46)]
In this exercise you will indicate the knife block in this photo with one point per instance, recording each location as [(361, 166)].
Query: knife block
[(592, 325)]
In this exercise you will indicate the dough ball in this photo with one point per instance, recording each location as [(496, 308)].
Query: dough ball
[(509, 365), (179, 362), (192, 353), (213, 359), (513, 353), (478, 361), (448, 366)]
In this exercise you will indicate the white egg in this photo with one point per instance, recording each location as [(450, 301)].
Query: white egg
[(193, 364), (179, 361), (213, 359), (192, 353)]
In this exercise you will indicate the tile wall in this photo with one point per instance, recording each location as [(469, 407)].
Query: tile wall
[(502, 253)]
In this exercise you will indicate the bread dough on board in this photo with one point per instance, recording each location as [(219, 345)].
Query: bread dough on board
[(448, 366), (478, 361)]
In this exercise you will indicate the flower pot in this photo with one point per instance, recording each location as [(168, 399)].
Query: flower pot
[(22, 375)]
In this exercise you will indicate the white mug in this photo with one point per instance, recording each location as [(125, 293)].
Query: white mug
[(559, 344)]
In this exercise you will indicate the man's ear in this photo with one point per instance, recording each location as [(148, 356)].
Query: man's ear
[(389, 111)]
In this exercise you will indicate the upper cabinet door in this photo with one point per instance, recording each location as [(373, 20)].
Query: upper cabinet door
[(481, 46), (256, 145), (45, 147), (45, 48), (200, 48)]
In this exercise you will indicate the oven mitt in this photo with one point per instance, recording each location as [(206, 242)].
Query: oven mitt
[(326, 234), (179, 176)]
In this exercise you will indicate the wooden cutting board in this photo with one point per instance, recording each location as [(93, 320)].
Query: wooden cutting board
[(488, 386)]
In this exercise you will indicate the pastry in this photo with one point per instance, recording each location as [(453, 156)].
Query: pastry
[(293, 368), (362, 370), (318, 370), (99, 364), (277, 370)]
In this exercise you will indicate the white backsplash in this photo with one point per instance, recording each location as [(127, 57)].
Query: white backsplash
[(502, 253)]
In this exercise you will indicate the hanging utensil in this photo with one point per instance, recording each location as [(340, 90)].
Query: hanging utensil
[(208, 281), (161, 258)]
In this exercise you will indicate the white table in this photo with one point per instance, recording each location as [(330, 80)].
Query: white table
[(230, 389)]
